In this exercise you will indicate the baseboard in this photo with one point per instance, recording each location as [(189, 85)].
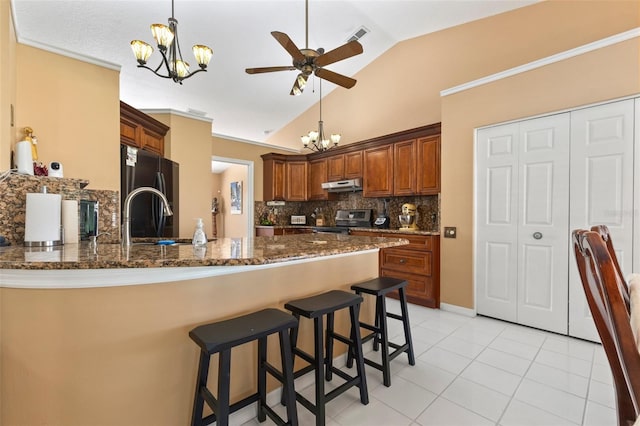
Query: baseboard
[(457, 310)]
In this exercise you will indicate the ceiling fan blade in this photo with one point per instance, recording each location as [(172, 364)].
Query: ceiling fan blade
[(343, 52), (288, 45), (269, 69), (339, 79)]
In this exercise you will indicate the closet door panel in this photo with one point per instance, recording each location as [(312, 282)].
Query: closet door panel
[(497, 221), (543, 235), (602, 191)]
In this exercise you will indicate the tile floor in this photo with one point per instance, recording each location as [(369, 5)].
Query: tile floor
[(479, 371)]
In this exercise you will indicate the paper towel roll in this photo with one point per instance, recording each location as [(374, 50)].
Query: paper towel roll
[(70, 221), (42, 222), (24, 159)]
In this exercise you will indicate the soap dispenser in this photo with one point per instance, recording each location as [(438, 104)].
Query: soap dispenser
[(199, 237)]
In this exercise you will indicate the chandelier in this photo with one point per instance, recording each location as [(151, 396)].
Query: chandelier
[(315, 140), (166, 37)]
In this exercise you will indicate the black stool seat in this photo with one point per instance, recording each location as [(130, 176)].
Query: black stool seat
[(322, 304), (220, 337), (316, 307), (380, 287)]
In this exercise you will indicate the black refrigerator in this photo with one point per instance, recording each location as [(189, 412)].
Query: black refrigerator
[(142, 168)]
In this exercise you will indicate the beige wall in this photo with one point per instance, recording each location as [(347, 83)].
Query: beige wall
[(233, 225), (73, 108), (245, 151), (7, 83), (600, 75), (189, 144)]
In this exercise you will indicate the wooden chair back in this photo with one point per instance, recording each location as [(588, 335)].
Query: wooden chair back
[(603, 230), (603, 288)]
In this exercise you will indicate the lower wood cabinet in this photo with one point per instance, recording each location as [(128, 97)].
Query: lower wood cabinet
[(418, 263)]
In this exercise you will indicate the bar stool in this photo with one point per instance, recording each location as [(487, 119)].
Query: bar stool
[(380, 287), (220, 337), (315, 308)]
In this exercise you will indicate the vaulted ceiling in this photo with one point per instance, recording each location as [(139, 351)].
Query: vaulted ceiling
[(242, 106)]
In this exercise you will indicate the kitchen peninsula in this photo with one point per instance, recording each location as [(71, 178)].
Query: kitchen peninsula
[(100, 336)]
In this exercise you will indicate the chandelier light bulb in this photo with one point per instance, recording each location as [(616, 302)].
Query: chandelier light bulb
[(335, 138), (163, 35), (203, 54), (305, 140), (313, 134), (141, 51)]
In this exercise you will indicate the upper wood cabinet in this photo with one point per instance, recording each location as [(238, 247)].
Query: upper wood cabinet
[(400, 164), (284, 177), (318, 172), (353, 165), (335, 168), (296, 181), (404, 168), (378, 172), (140, 130), (416, 166), (428, 170), (273, 174), (344, 166)]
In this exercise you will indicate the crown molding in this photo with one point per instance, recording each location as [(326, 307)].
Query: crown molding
[(599, 44)]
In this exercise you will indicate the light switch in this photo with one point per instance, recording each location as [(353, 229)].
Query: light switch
[(450, 231)]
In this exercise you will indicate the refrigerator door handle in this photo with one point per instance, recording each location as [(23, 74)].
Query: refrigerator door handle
[(162, 220)]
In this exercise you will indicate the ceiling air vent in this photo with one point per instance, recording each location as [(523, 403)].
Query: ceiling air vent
[(362, 31)]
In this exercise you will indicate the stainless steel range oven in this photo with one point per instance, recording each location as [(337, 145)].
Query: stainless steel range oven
[(345, 219)]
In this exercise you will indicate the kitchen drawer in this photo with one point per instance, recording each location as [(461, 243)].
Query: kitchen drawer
[(414, 261), (416, 241), (420, 290)]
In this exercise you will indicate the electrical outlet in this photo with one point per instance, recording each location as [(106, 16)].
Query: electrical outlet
[(450, 231)]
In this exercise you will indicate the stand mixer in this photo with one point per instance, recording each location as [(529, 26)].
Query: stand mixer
[(408, 217)]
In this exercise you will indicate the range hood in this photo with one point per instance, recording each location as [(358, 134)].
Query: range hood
[(343, 185)]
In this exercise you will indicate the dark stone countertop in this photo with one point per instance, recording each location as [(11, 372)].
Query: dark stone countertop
[(221, 252)]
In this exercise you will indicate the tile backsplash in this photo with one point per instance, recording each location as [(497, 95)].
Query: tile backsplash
[(428, 206), (13, 195)]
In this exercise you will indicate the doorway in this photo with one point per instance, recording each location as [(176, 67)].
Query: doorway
[(233, 188)]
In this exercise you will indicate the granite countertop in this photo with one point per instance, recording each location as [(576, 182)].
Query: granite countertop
[(377, 230), (221, 252)]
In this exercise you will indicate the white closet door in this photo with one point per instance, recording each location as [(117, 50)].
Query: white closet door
[(497, 221), (601, 192), (543, 237)]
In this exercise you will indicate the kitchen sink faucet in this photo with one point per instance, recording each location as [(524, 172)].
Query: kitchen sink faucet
[(126, 223)]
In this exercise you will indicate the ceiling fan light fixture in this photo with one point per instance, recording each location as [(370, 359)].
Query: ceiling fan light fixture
[(141, 51), (299, 84), (172, 65)]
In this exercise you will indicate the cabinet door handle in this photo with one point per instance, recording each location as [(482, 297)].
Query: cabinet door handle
[(403, 260)]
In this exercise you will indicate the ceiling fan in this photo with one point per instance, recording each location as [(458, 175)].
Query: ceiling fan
[(309, 61)]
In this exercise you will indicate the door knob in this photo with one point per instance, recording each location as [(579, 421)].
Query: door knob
[(537, 235)]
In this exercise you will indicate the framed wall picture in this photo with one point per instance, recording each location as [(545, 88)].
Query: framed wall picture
[(236, 197)]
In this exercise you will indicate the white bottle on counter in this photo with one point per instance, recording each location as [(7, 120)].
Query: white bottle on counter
[(199, 237)]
